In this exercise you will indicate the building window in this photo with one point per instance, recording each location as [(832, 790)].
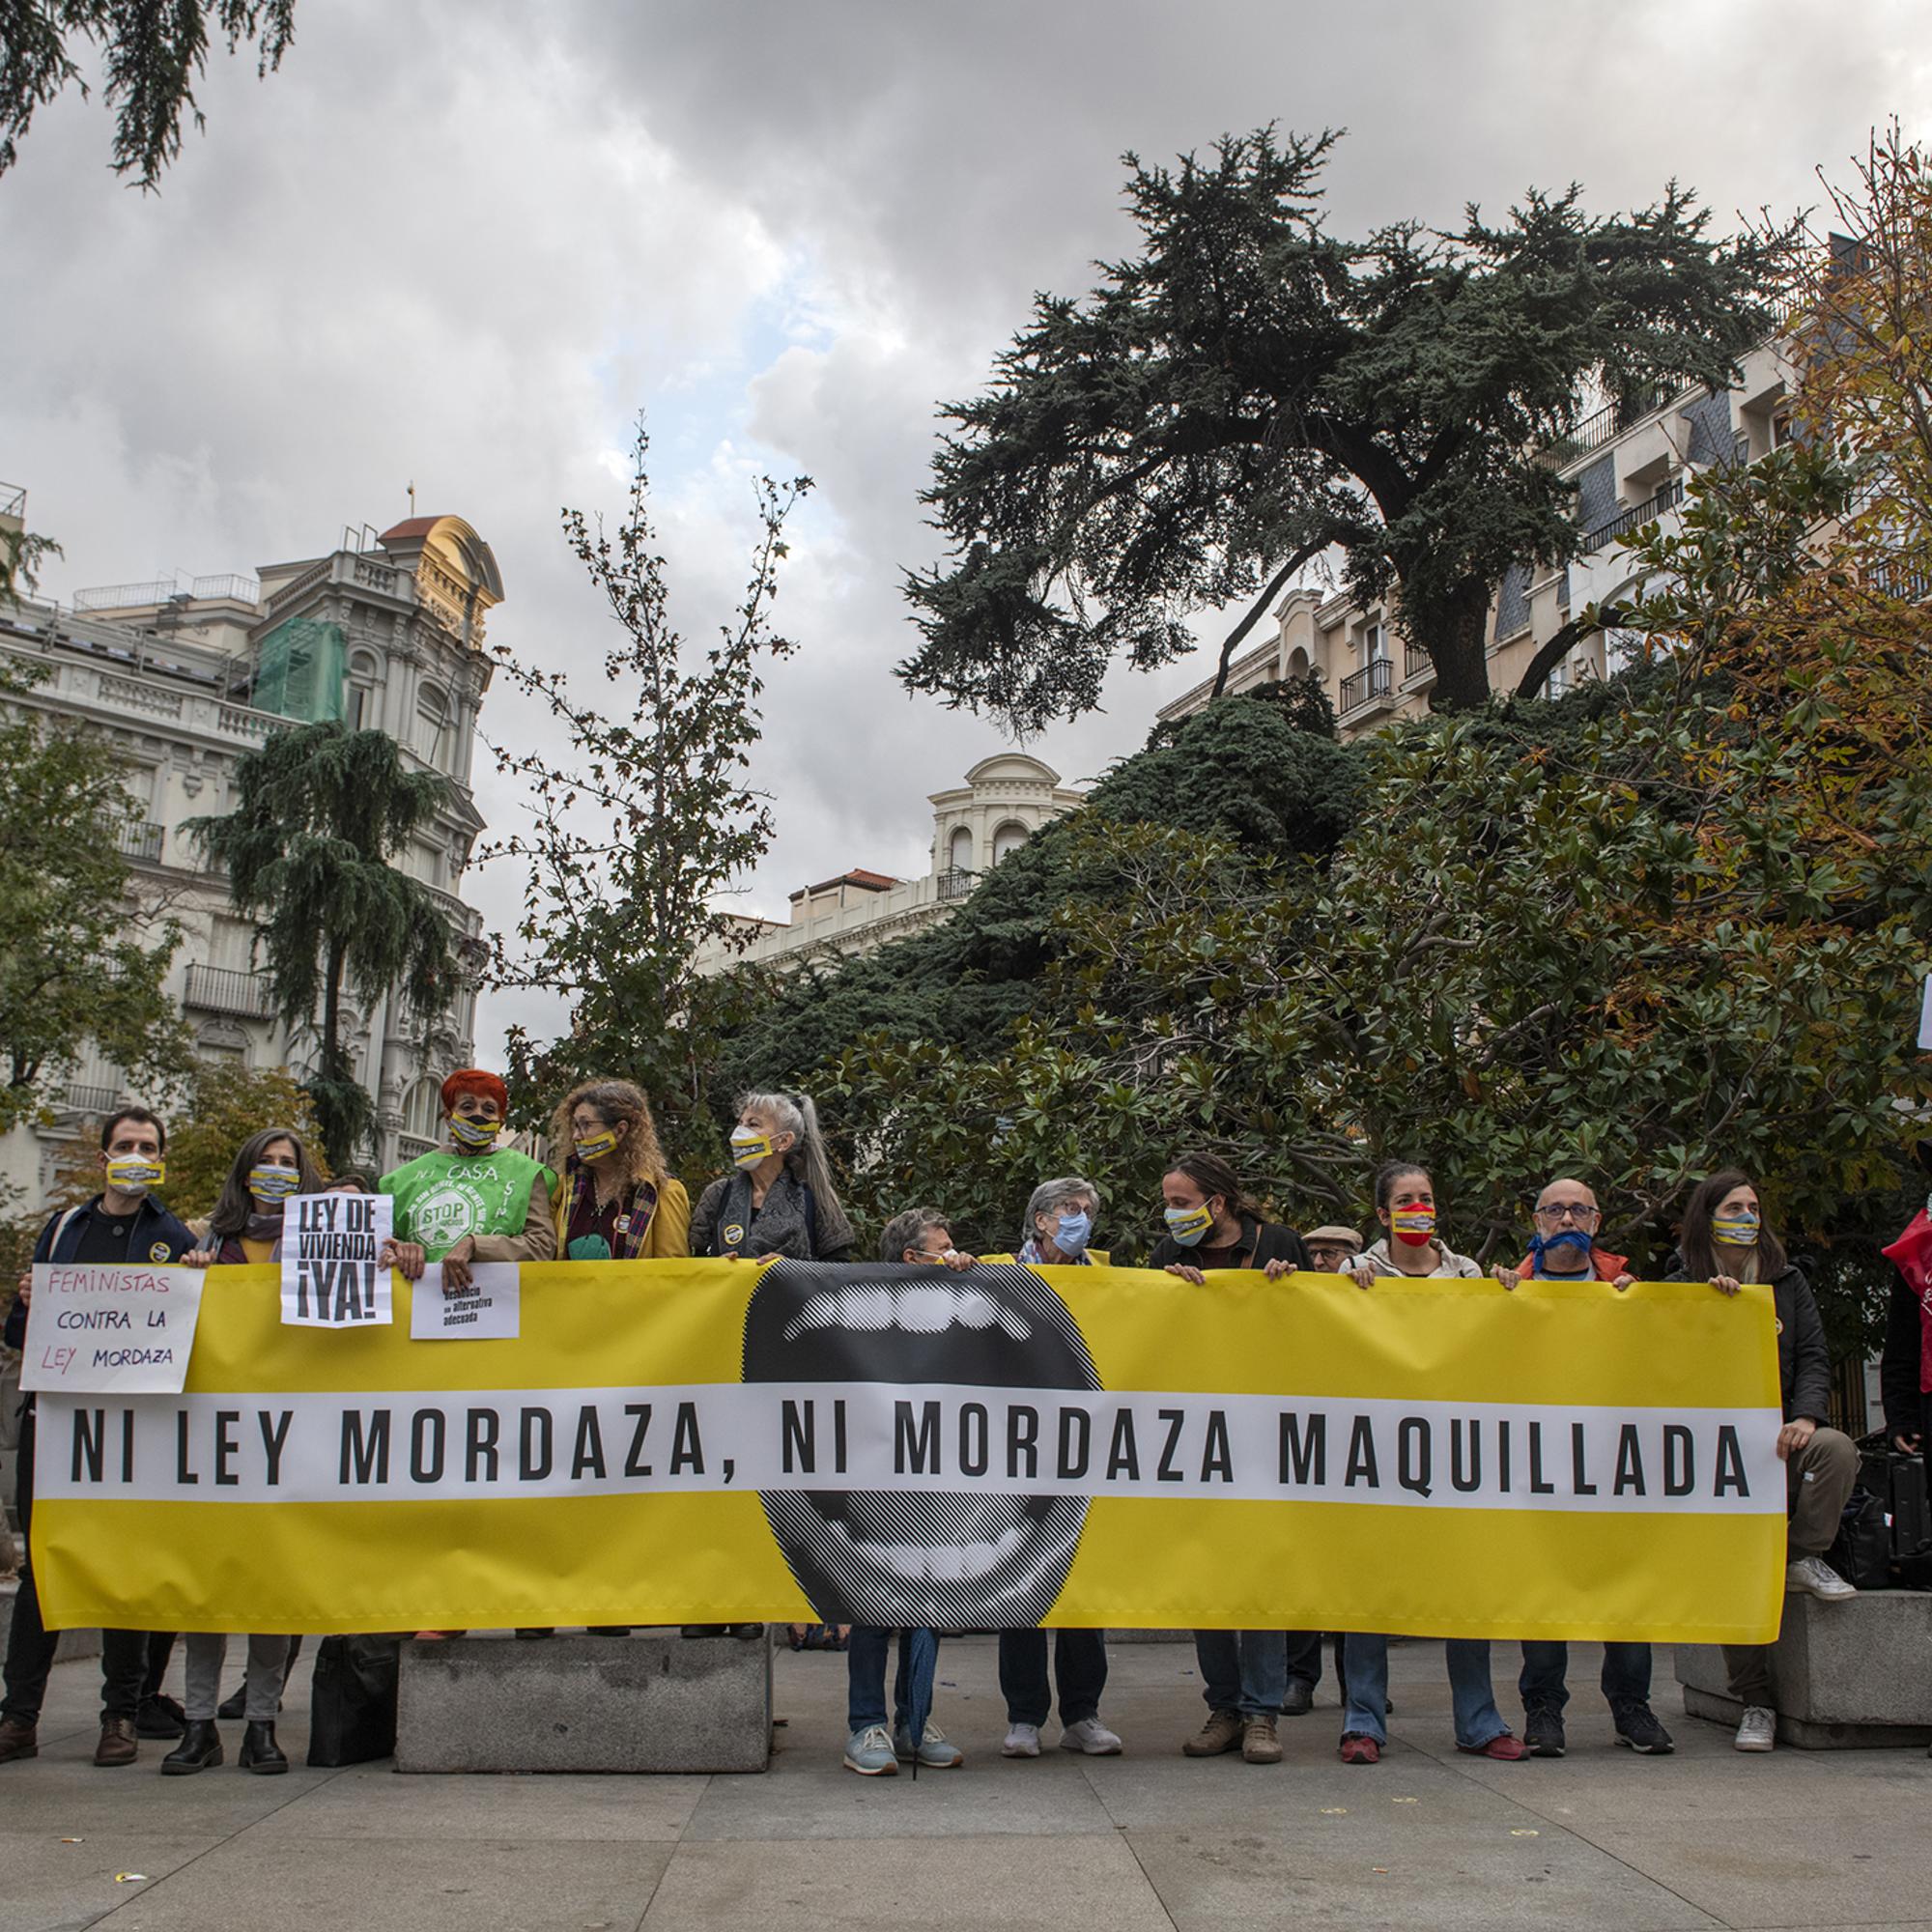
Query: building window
[(960, 849), (423, 1117), (1009, 838), (359, 707), (1375, 644), (433, 726)]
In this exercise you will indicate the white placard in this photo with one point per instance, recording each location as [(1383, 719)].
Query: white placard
[(489, 1310), (330, 1244), (105, 1329)]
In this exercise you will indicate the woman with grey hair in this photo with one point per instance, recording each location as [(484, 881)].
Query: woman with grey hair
[(780, 1200), (1059, 1224)]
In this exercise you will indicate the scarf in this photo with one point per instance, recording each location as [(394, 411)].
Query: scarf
[(786, 1223), (634, 1216)]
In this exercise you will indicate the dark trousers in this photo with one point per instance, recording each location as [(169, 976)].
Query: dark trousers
[(30, 1645), (1626, 1678), (1079, 1665), (1304, 1657)]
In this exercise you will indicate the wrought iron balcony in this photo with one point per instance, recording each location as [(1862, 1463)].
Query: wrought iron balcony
[(1417, 665), (955, 883), (1374, 680), (1636, 517), (139, 840)]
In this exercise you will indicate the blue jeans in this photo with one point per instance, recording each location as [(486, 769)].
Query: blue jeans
[(1366, 1675), (866, 1679), (1244, 1670), (1545, 1664)]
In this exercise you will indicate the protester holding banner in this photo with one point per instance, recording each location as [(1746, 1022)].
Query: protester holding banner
[(124, 1223), (1724, 1240), (1905, 1370), (1245, 1679), (780, 1200), (1055, 1232), (919, 1237), (1565, 1248), (246, 1225), (1409, 1245), (473, 1201), (617, 1199)]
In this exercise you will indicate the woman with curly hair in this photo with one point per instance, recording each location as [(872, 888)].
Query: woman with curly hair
[(616, 1201)]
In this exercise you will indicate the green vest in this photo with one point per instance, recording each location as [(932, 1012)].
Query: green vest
[(441, 1197)]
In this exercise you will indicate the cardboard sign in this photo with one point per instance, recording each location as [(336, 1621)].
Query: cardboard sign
[(330, 1246), (99, 1329), (489, 1310)]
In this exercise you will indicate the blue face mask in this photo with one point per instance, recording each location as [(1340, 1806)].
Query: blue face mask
[(1568, 1238), (1071, 1236)]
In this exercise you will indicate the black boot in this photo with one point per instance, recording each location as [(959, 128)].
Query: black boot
[(233, 1706), (199, 1748), (259, 1752)]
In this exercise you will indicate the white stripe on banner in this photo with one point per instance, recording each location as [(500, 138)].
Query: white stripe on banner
[(891, 1436)]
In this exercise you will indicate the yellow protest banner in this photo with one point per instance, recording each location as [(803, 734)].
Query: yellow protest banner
[(710, 1441)]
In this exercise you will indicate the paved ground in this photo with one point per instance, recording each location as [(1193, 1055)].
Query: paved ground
[(1151, 1840)]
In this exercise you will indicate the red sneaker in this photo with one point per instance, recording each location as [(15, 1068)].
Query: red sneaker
[(1504, 1748), (1358, 1750)]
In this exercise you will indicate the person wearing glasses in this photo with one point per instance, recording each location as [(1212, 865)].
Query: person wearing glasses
[(1565, 1249)]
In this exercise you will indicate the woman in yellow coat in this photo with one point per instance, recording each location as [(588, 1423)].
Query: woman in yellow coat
[(615, 1201)]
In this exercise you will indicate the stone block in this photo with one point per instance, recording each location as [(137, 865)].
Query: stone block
[(650, 1702), (1844, 1676)]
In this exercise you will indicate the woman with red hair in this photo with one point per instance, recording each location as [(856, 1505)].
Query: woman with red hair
[(472, 1199)]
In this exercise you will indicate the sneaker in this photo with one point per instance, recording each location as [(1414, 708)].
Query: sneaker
[(1504, 1748), (869, 1752), (1090, 1735), (1222, 1732), (1818, 1579), (1022, 1741), (1358, 1750), (1260, 1742), (1757, 1730), (159, 1717), (1543, 1731), (935, 1751), (1639, 1728)]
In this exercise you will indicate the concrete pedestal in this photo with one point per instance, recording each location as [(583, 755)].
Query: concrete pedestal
[(650, 1702), (73, 1643), (1855, 1675)]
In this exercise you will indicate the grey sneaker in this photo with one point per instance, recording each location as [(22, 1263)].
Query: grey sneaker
[(869, 1752), (1022, 1741), (1090, 1735), (1816, 1577), (1758, 1730), (935, 1754)]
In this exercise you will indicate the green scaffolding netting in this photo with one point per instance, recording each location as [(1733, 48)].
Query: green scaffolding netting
[(299, 670)]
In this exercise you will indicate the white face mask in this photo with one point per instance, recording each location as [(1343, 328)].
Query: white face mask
[(749, 1146)]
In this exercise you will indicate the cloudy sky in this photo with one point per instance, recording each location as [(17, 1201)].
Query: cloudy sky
[(462, 241)]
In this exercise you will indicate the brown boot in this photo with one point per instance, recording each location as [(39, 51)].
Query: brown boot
[(1259, 1743), (117, 1743), (1222, 1732), (17, 1740)]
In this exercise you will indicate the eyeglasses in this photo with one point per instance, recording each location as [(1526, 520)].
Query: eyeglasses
[(1579, 1211)]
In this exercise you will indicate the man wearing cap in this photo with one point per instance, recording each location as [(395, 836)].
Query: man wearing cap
[(1565, 1248), (470, 1199), (1330, 1249)]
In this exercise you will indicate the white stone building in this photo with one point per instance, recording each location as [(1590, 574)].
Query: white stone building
[(385, 631), (1006, 799), (1630, 468)]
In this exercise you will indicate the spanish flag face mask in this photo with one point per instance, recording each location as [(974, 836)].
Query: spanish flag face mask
[(1414, 1224)]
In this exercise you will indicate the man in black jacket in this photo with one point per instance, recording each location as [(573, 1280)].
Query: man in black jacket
[(124, 1223)]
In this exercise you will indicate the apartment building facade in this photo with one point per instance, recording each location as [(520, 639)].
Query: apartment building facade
[(383, 632), (1630, 468)]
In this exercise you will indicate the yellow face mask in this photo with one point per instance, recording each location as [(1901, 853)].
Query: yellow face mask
[(594, 1147), (472, 1133), (749, 1146), (135, 1172)]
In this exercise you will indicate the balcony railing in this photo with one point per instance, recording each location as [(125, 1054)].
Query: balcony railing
[(216, 990), (1636, 517), (139, 840), (955, 883), (1376, 679), (85, 1097), (1416, 664)]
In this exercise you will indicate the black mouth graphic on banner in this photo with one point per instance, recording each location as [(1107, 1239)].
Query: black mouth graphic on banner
[(905, 1558)]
